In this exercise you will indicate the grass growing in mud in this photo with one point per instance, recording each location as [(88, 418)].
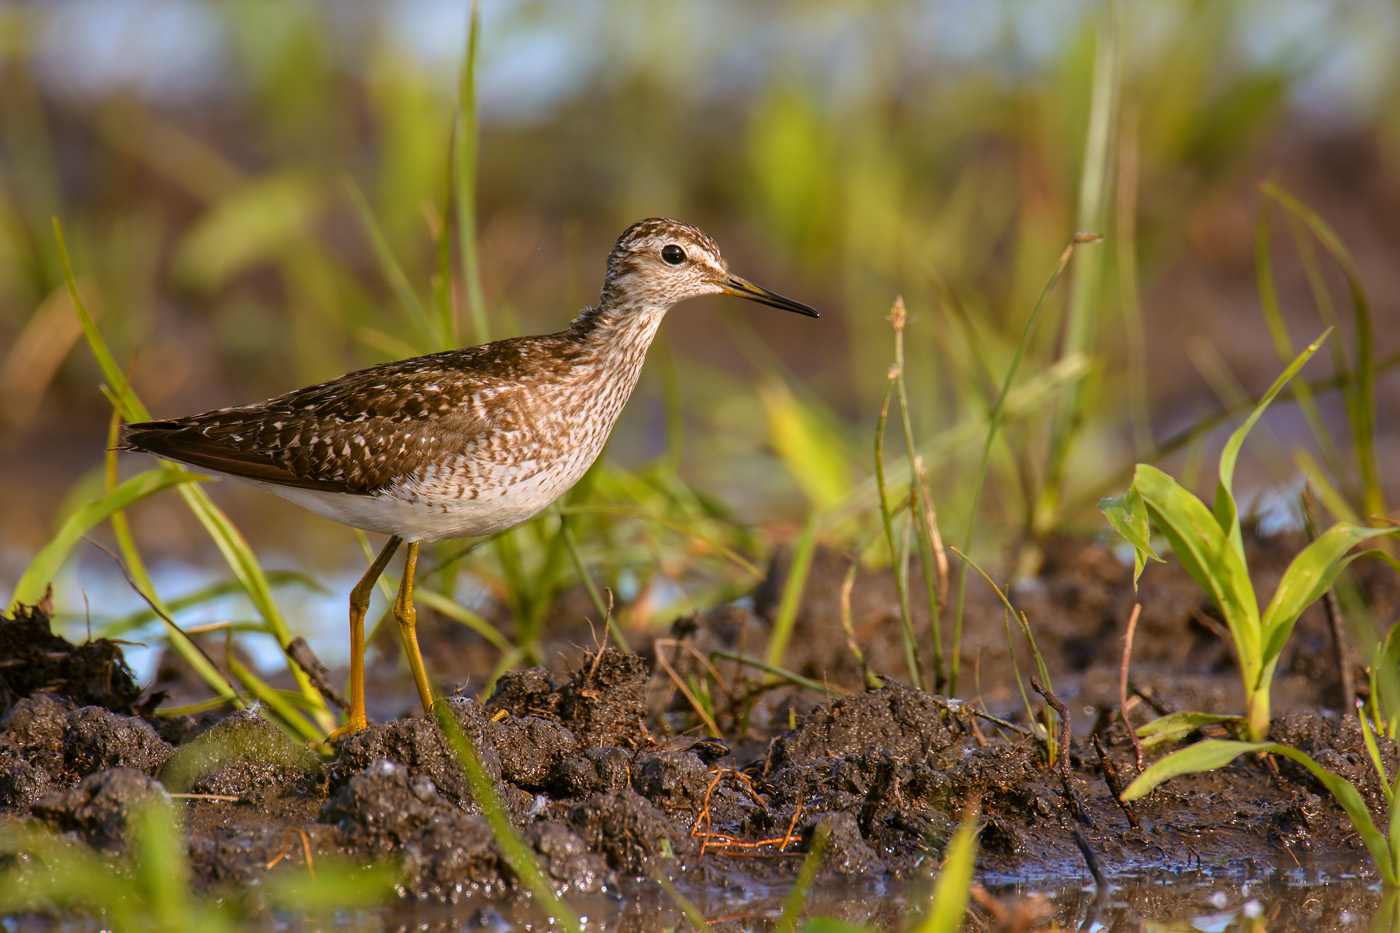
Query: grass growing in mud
[(1007, 423)]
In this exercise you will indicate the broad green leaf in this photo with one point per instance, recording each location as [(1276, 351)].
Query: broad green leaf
[(1352, 802), (1308, 576), (1203, 756), (1215, 753), (1205, 551), (1128, 516), (1225, 510), (1176, 725), (42, 569)]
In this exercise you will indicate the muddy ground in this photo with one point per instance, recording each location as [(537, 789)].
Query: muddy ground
[(606, 770)]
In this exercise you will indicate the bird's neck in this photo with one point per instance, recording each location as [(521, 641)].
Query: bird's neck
[(609, 331)]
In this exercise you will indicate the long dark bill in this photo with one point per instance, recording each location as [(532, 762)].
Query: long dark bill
[(746, 289)]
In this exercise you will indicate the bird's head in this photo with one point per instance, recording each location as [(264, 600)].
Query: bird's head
[(659, 262)]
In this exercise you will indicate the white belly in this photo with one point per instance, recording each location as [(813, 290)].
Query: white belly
[(416, 518)]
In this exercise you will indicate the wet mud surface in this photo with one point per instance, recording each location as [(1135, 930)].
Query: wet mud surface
[(609, 774)]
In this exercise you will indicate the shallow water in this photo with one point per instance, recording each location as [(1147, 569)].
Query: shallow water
[(1196, 903)]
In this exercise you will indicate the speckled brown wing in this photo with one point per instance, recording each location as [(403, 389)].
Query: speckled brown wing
[(356, 434)]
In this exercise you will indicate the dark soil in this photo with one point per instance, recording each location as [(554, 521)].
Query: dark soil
[(601, 767)]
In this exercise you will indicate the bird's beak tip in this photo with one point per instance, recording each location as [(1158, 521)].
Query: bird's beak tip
[(743, 288)]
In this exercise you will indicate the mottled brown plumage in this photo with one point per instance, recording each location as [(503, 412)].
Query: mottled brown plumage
[(465, 442)]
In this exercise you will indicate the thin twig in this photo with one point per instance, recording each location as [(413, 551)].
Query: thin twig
[(320, 676), (962, 706), (1111, 778), (1062, 759), (160, 612), (230, 798)]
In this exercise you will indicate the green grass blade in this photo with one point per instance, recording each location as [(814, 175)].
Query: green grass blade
[(1203, 756), (393, 269), (898, 566), (1082, 315), (205, 594), (519, 856), (227, 538), (464, 159), (689, 531), (1393, 830), (1360, 394), (1352, 802), (130, 405), (777, 672), (162, 864), (275, 700), (45, 565), (950, 893), (994, 421), (698, 921), (919, 506), (1374, 751), (1273, 318), (599, 606), (1320, 484), (459, 613), (1226, 513), (121, 529), (813, 452), (802, 552), (806, 877), (244, 563)]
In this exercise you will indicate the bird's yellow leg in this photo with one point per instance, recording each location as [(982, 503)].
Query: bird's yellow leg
[(359, 605), (407, 618)]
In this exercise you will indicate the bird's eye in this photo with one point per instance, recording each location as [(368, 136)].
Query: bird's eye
[(673, 255)]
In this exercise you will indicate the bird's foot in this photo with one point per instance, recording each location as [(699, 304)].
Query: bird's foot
[(353, 725)]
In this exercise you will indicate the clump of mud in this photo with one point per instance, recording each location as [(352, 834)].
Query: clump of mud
[(33, 660), (602, 769)]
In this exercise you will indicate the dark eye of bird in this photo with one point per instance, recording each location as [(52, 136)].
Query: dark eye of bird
[(673, 255)]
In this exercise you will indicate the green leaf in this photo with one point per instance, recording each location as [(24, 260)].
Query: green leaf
[(1128, 516), (1203, 756), (1308, 576), (1176, 725), (1226, 513), (1215, 753), (46, 563), (1204, 549)]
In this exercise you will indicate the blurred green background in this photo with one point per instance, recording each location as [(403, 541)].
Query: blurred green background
[(203, 159)]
